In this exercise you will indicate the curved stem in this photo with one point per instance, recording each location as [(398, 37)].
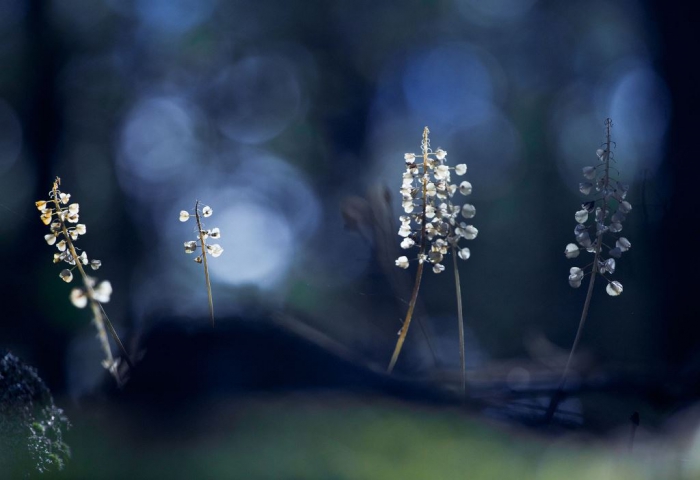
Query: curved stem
[(407, 321), (460, 319), (99, 315), (419, 272), (559, 393), (204, 260)]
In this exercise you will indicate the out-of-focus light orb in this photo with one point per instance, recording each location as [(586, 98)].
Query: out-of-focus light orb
[(257, 98), (259, 247), (449, 85), (266, 176), (640, 108), (492, 11), (158, 141), (10, 136), (492, 151), (175, 16)]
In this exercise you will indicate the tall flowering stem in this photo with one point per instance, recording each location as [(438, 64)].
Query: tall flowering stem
[(204, 261), (428, 187), (58, 218), (612, 198), (213, 249), (421, 253)]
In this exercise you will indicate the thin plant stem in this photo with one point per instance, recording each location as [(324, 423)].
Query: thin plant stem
[(407, 321), (558, 394), (204, 260), (419, 272), (460, 323)]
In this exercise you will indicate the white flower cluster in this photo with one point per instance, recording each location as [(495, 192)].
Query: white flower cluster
[(190, 247), (431, 216), (600, 220), (57, 213)]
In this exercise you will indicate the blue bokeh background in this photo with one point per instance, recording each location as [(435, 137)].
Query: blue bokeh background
[(284, 116)]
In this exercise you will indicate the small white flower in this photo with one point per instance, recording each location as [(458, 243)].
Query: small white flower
[(207, 211), (407, 205), (614, 288), (600, 152), (198, 259), (95, 264), (83, 258), (430, 189), (452, 189), (78, 298), (623, 244), (469, 232), (64, 197), (609, 265), (410, 157), (575, 277), (585, 187), (589, 172), (461, 169), (402, 262), (184, 216), (442, 172), (66, 275), (46, 216), (440, 245), (215, 250), (61, 246), (103, 292), (465, 188), (625, 206), (81, 229), (435, 256), (429, 211), (190, 247), (440, 154), (50, 238), (468, 210), (581, 216), (407, 243), (73, 208), (438, 268), (405, 230), (72, 218), (571, 251), (41, 205), (215, 233), (464, 253)]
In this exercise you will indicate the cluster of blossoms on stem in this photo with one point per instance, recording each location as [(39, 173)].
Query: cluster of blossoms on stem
[(191, 246), (62, 218), (600, 220), (431, 221)]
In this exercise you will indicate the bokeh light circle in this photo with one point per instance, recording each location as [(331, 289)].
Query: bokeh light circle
[(257, 98)]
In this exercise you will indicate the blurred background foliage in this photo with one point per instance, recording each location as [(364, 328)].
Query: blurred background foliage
[(291, 120)]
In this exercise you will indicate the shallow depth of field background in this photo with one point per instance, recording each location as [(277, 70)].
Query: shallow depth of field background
[(280, 114)]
